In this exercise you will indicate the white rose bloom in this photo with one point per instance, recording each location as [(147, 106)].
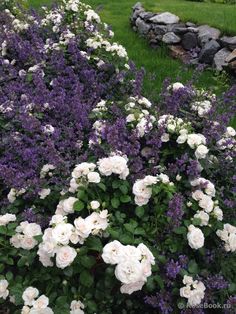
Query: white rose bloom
[(4, 292), (32, 230), (164, 178), (105, 166), (83, 169), (176, 86), (195, 237), (129, 271), (83, 229), (218, 213), (94, 205), (141, 189), (195, 140), (29, 295), (66, 206), (57, 219), (140, 201), (25, 310), (93, 177), (96, 222), (62, 233), (232, 242), (185, 292), (201, 152), (5, 219), (197, 195), (44, 193), (187, 280), (28, 243), (132, 287), (15, 240), (76, 307), (120, 166), (203, 216), (130, 118), (65, 256), (12, 196), (165, 137), (113, 253), (73, 185), (46, 310), (41, 303), (230, 132), (206, 203), (181, 139), (146, 254)]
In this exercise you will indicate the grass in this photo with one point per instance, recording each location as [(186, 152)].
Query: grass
[(157, 63)]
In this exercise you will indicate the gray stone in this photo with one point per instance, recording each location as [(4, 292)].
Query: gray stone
[(229, 42), (189, 41), (231, 57), (146, 15), (159, 29), (177, 51), (177, 28), (193, 29), (220, 57), (143, 27), (137, 6), (208, 52), (190, 24), (170, 38), (206, 33), (165, 18)]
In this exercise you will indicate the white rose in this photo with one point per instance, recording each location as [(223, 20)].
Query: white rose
[(164, 178), (181, 139), (46, 310), (82, 228), (230, 131), (94, 205), (176, 86), (29, 295), (25, 310), (83, 169), (41, 303), (165, 137), (132, 287), (105, 166), (218, 213), (65, 256), (195, 237), (28, 243), (113, 253), (44, 193), (201, 152), (197, 195), (140, 201), (185, 292), (146, 254), (140, 189), (119, 166), (232, 242), (187, 280), (195, 140), (62, 233), (76, 307), (4, 292), (32, 230), (5, 219), (203, 216), (96, 222), (129, 271), (206, 203), (66, 206), (94, 177), (57, 219)]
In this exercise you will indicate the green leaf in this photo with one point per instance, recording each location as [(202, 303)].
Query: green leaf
[(78, 206), (86, 279), (94, 244), (22, 261), (125, 198), (115, 202), (129, 227), (115, 184), (139, 211), (68, 271), (92, 306), (123, 188), (180, 230), (102, 186), (193, 267), (87, 261)]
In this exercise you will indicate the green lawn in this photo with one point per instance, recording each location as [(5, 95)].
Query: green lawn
[(156, 62)]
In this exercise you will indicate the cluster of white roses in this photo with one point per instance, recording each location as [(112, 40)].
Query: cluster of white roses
[(193, 291), (138, 117), (5, 219), (83, 173), (202, 107), (25, 235), (133, 264), (13, 194), (101, 106), (142, 188), (91, 15), (203, 194), (57, 238), (47, 170), (229, 140), (228, 235), (4, 292), (114, 164), (35, 304)]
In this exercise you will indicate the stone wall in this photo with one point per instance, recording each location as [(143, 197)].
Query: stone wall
[(189, 42)]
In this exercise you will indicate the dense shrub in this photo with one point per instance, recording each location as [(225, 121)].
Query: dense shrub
[(110, 204)]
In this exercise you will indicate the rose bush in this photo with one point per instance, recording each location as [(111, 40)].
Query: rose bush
[(109, 203)]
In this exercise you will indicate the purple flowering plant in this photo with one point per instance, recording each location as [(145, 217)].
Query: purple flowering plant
[(109, 203)]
